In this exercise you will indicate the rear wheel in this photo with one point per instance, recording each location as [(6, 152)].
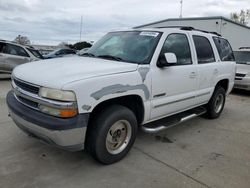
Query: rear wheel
[(112, 134), (216, 103)]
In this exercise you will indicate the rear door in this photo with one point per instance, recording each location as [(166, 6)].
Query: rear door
[(207, 68), (14, 55)]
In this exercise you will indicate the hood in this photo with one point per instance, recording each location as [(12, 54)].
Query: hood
[(55, 73), (243, 68)]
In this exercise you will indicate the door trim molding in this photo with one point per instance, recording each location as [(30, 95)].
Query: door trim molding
[(172, 102)]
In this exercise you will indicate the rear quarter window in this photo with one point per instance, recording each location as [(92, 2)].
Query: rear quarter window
[(224, 49)]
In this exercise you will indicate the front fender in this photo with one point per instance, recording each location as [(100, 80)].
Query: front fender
[(94, 91)]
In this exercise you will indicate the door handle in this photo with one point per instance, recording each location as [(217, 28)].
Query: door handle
[(192, 75)]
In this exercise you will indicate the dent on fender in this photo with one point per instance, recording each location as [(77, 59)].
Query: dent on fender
[(119, 88)]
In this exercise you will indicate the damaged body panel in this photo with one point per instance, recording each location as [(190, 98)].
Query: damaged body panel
[(118, 88)]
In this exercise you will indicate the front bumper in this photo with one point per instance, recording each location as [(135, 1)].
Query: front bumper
[(68, 134), (244, 83)]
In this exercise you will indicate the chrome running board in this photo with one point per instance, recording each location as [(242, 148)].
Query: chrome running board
[(171, 121)]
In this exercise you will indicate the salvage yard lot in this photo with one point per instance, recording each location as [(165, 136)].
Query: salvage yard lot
[(198, 153)]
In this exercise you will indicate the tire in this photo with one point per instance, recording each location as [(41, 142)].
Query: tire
[(112, 134), (216, 104)]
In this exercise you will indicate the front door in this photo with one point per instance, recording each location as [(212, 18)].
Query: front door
[(174, 87)]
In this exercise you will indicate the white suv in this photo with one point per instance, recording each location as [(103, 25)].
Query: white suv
[(242, 79), (13, 54), (153, 79)]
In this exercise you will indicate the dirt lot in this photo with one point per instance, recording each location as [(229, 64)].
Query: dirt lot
[(198, 153)]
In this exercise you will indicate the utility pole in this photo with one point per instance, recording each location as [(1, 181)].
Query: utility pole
[(81, 30), (181, 9)]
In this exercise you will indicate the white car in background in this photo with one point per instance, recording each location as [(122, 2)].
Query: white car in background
[(13, 54), (242, 79)]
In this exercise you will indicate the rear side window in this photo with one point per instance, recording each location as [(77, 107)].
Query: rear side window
[(204, 50), (15, 50), (224, 49), (1, 47), (179, 45)]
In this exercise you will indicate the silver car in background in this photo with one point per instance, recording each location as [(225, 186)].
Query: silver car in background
[(242, 79), (13, 54)]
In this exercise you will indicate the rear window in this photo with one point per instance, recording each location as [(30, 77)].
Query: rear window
[(224, 49), (204, 50)]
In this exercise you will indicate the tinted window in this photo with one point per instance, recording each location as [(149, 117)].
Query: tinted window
[(177, 44), (204, 50), (15, 50), (242, 57), (224, 49), (1, 47)]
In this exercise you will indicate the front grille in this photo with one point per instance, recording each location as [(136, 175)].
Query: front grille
[(27, 87), (27, 102), (240, 75)]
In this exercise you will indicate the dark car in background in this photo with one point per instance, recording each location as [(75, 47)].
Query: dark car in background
[(60, 53)]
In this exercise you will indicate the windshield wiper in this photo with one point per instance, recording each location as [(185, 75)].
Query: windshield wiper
[(110, 57), (88, 54)]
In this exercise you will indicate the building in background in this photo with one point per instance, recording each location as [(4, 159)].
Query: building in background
[(237, 34)]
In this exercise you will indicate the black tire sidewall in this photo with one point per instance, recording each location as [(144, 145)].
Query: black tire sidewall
[(211, 105), (102, 125)]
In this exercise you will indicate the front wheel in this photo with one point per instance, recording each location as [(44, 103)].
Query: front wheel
[(216, 103), (112, 134)]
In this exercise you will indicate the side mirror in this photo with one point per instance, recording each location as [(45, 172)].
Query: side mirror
[(167, 60), (170, 58)]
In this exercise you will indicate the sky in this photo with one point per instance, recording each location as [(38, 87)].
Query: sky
[(51, 22)]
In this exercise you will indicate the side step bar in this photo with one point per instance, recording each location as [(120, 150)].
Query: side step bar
[(173, 120)]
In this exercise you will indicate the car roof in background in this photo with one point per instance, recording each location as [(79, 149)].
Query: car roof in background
[(15, 43)]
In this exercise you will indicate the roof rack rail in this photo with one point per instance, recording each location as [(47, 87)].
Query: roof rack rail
[(244, 47), (189, 28)]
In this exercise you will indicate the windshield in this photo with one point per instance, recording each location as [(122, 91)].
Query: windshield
[(36, 53), (242, 57), (130, 46)]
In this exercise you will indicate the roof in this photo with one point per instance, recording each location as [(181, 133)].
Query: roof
[(194, 18)]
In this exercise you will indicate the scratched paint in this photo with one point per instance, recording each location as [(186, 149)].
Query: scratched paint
[(119, 88), (143, 72), (86, 107)]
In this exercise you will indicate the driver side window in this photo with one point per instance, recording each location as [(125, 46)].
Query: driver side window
[(178, 44)]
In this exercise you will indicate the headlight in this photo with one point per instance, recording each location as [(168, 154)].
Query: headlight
[(57, 94), (63, 113)]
